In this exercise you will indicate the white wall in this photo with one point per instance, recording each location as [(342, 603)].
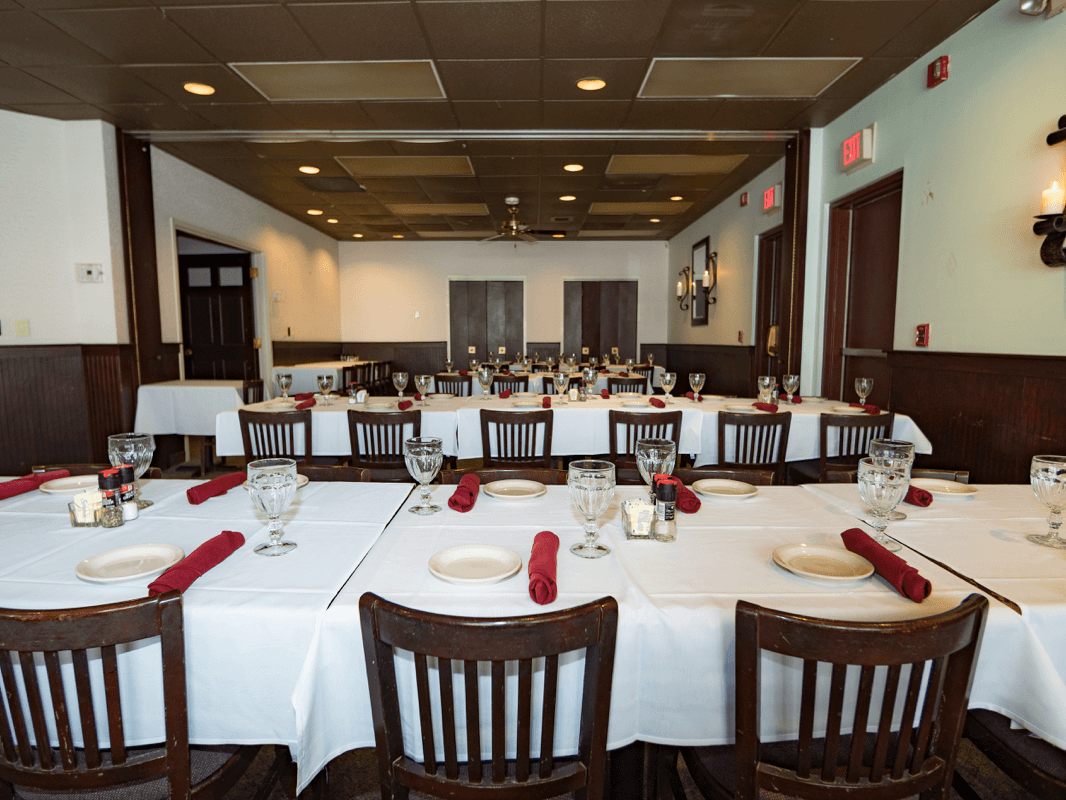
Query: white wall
[(59, 206), (734, 233), (383, 284)]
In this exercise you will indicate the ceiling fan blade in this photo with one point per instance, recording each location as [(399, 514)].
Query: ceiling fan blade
[(525, 237), (493, 238)]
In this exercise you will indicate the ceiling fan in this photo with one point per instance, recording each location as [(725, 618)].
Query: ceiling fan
[(512, 229)]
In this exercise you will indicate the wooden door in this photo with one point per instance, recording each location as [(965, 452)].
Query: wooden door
[(861, 290), (218, 324), (769, 356), (600, 315), (485, 315)]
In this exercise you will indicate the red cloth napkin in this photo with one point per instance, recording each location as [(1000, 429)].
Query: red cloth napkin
[(691, 396), (918, 497), (868, 408), (465, 494), (303, 396), (605, 394), (889, 566), (505, 394), (28, 483), (546, 402), (605, 372), (210, 554), (797, 399), (542, 558), (418, 395), (305, 404), (766, 407), (623, 374), (687, 501), (214, 488), (403, 405), (504, 372), (655, 401), (463, 372)]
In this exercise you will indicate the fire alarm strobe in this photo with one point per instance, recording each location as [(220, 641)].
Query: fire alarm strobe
[(938, 72)]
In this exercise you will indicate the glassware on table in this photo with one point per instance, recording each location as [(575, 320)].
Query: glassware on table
[(474, 363), (284, 383), (325, 383), (882, 487), (399, 380), (668, 381), (791, 385), (765, 385), (484, 377), (272, 485), (593, 362), (591, 485), (135, 449), (449, 365), (651, 359), (606, 360), (536, 357), (863, 387), (630, 363), (1047, 475), (560, 380), (422, 383), (571, 361), (655, 457), (896, 453), (696, 381), (423, 457)]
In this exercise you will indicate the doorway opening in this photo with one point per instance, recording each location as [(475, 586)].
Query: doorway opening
[(599, 316), (769, 358)]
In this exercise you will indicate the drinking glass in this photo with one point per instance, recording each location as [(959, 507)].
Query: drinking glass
[(765, 387), (629, 363), (589, 374), (791, 384), (667, 381), (422, 383), (591, 486), (655, 457), (474, 364), (896, 453), (325, 383), (284, 383), (606, 360), (536, 357), (448, 365), (560, 379), (399, 380), (863, 386), (423, 456), (1047, 474), (593, 362), (882, 487), (571, 361), (272, 484), (517, 358), (651, 359), (484, 377), (137, 450), (696, 381)]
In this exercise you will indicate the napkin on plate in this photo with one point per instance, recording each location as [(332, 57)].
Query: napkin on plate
[(655, 401), (546, 402), (303, 396), (766, 407), (868, 408), (889, 566), (210, 554), (605, 394), (465, 494), (542, 568), (214, 488), (623, 374), (505, 394), (696, 397), (605, 372), (403, 405), (305, 404), (504, 372), (687, 501), (918, 497), (28, 483)]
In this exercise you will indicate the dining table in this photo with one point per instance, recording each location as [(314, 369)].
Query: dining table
[(305, 376), (538, 380), (185, 407)]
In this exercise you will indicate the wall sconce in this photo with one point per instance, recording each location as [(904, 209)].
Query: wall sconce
[(687, 286), (1052, 217)]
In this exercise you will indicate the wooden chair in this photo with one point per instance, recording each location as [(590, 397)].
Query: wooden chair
[(549, 477), (274, 434), (549, 386), (899, 760), (626, 428), (645, 372), (617, 384), (511, 438), (459, 644), (756, 477), (252, 391), (509, 382), (28, 759), (459, 385), (377, 439), (853, 434), (331, 474), (152, 473), (758, 440), (1034, 764), (957, 475)]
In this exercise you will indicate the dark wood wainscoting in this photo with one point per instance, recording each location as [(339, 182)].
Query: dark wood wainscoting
[(989, 414), (544, 348), (415, 358), (657, 350), (286, 354), (728, 367)]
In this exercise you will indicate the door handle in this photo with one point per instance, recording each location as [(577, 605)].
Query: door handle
[(771, 341), (188, 352), (863, 352)]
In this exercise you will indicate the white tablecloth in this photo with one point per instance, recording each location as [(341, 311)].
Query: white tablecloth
[(305, 376), (185, 407)]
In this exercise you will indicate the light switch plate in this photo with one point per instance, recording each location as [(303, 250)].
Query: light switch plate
[(471, 350), (502, 351), (89, 273), (22, 327)]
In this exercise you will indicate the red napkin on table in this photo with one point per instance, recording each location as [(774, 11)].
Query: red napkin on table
[(655, 401), (868, 408), (766, 407), (687, 501), (463, 372), (505, 372), (796, 399), (305, 404), (505, 394), (214, 488), (605, 372), (605, 394), (465, 494), (542, 563), (918, 497), (403, 405), (210, 554), (546, 402), (691, 396), (623, 374), (889, 566), (418, 395), (303, 396), (28, 483)]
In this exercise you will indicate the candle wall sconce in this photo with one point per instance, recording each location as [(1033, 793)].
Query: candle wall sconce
[(1051, 222), (696, 285)]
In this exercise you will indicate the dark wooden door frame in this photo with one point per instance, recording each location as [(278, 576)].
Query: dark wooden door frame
[(245, 291), (794, 252), (764, 295), (836, 279)]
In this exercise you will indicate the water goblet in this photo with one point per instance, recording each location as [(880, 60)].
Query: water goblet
[(536, 357), (696, 381), (655, 457), (284, 383), (589, 374), (571, 361), (593, 362), (668, 381), (399, 380), (272, 485), (560, 380), (137, 450), (897, 453), (765, 385), (591, 485), (651, 359), (1047, 475), (474, 364), (448, 365), (484, 377), (882, 487), (606, 360), (630, 363), (791, 384), (863, 386), (325, 383), (423, 457), (422, 383)]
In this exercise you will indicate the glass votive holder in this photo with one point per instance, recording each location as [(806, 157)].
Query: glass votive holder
[(81, 517)]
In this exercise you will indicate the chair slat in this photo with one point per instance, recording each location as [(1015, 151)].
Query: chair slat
[(884, 724), (906, 730), (14, 706), (832, 723), (85, 708), (499, 731), (858, 727), (114, 705), (525, 723), (447, 712), (935, 685), (547, 722), (473, 721), (425, 714), (59, 711), (33, 698), (806, 725)]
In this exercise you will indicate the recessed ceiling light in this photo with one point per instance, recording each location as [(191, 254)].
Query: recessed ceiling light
[(677, 197), (558, 235), (397, 236), (567, 198), (654, 219), (199, 88), (310, 170), (314, 212), (591, 84), (334, 221), (573, 168), (357, 235)]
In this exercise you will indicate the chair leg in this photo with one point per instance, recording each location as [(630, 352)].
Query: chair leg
[(962, 787), (281, 770), (662, 778)]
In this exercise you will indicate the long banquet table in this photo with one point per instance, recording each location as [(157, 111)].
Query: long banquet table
[(186, 407)]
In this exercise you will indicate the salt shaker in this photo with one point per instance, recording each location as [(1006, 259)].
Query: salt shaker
[(129, 500)]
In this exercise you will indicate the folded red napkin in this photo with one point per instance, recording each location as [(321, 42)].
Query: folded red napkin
[(605, 372), (868, 408), (623, 374), (28, 483), (463, 372), (655, 401), (403, 405), (214, 488), (796, 399), (542, 558), (687, 501), (210, 554), (766, 407), (918, 497), (889, 566), (465, 494), (697, 397), (505, 394), (605, 394), (505, 372), (546, 402), (305, 404), (418, 395), (303, 396)]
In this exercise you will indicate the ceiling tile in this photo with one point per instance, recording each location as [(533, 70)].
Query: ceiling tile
[(411, 116), (436, 187), (18, 87), (488, 166), (64, 111), (428, 147), (208, 150), (400, 199), (156, 117), (844, 27), (756, 115), (656, 114), (676, 78), (865, 77), (554, 165), (99, 84), (515, 79), (466, 30), (570, 184), (499, 115), (131, 35), (510, 184), (246, 33), (308, 81), (378, 185), (171, 80), (739, 28), (623, 78), (325, 116), (577, 147), (593, 114), (27, 40), (406, 165), (820, 114), (363, 31), (932, 27), (41, 5), (244, 116), (602, 28)]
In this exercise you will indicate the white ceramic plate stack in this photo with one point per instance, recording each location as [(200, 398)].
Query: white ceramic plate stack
[(951, 490), (475, 564), (380, 406), (440, 396), (847, 410), (514, 489), (128, 563), (628, 395), (525, 404), (724, 489), (823, 564), (739, 408)]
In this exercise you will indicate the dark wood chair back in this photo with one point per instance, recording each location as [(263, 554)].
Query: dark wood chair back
[(549, 477), (754, 440), (355, 373), (756, 477), (377, 439), (626, 428), (851, 435), (646, 372), (459, 385), (269, 434), (618, 384), (458, 644), (511, 383), (152, 473), (549, 386), (516, 438), (957, 475), (252, 391), (331, 474)]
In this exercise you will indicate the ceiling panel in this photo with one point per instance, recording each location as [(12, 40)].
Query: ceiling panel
[(844, 27), (60, 110), (935, 25), (244, 116), (739, 28), (655, 114), (411, 116), (498, 115), (171, 80), (465, 30), (363, 31), (623, 78), (131, 35), (26, 40), (602, 28), (19, 87), (269, 33), (572, 114), (325, 116), (514, 79)]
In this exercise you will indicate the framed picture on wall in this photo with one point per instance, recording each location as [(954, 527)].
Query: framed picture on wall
[(701, 253)]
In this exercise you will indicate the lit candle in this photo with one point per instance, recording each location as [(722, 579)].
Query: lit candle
[(1053, 200), (680, 291), (706, 278)]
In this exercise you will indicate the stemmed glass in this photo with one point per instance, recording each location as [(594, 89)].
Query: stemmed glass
[(606, 360), (895, 453), (791, 384), (536, 357), (651, 359), (484, 377), (882, 487), (560, 379), (571, 361), (137, 450), (474, 364), (448, 365), (696, 381), (272, 484), (590, 376), (668, 381), (399, 380), (863, 386), (629, 364), (765, 384), (593, 362), (1047, 474), (423, 457), (284, 383), (591, 486), (325, 383), (422, 383), (655, 457)]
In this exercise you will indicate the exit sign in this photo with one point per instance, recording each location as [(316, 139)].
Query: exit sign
[(858, 150), (771, 198)]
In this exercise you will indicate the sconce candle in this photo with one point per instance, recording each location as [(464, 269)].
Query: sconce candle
[(1052, 200), (706, 278), (680, 291)]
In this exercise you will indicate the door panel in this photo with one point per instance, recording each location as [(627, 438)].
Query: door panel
[(573, 291), (217, 320), (767, 307), (600, 315), (485, 315)]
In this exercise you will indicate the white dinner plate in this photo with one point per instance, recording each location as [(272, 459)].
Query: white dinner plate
[(724, 489), (628, 394), (128, 563), (846, 410), (280, 403), (941, 488), (514, 489), (814, 399), (636, 404), (524, 395), (474, 564), (440, 396), (745, 409), (823, 564), (525, 404), (70, 485), (301, 482), (380, 407)]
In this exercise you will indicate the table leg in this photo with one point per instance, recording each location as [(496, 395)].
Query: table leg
[(626, 776)]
